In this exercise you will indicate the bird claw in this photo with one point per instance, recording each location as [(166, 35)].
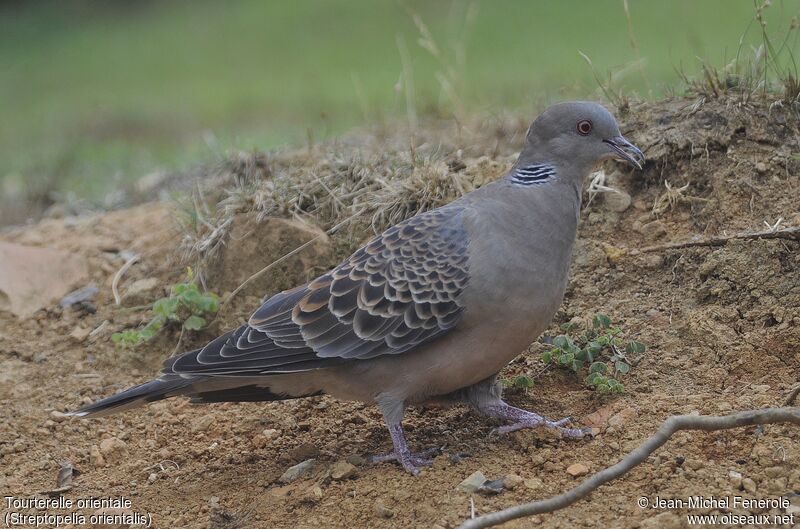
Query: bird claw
[(409, 460), (534, 420)]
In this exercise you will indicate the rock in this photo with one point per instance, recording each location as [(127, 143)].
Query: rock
[(694, 464), (32, 278), (512, 481), (141, 292), (736, 479), (76, 297), (761, 167), (618, 201), (533, 483), (653, 230), (271, 433), (621, 417), (253, 243), (577, 469), (749, 485), (342, 470), (312, 494), (473, 482), (491, 487), (79, 334), (298, 471), (58, 416), (95, 457), (664, 520), (303, 452), (381, 511), (259, 441), (202, 424), (113, 449)]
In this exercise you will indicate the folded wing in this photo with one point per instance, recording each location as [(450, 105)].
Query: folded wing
[(402, 289)]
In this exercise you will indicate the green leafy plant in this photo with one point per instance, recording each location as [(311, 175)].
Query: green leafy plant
[(601, 348), (185, 305), (519, 383)]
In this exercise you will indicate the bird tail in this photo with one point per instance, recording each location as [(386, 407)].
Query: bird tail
[(158, 389)]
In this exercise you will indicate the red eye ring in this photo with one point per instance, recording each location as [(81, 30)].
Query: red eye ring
[(584, 127)]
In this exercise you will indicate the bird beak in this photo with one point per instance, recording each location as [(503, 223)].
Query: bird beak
[(626, 151)]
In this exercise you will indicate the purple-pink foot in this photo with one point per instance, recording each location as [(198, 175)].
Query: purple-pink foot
[(527, 419), (409, 460), (402, 454)]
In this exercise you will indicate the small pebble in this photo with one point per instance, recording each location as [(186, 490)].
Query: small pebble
[(271, 433), (473, 482), (202, 424), (512, 481), (57, 416), (342, 470), (381, 511), (113, 449), (653, 230), (297, 471), (736, 479), (533, 483), (95, 457), (577, 469)]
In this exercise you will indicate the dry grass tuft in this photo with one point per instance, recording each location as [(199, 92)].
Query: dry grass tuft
[(368, 180), (672, 196)]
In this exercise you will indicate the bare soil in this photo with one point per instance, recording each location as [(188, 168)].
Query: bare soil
[(722, 325)]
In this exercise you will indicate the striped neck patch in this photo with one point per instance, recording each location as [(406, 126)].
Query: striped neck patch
[(536, 174)]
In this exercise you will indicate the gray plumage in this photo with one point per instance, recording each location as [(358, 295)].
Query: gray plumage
[(431, 309)]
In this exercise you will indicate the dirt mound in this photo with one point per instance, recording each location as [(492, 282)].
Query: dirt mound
[(252, 244), (722, 325)]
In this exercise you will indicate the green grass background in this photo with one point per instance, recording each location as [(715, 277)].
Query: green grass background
[(96, 93)]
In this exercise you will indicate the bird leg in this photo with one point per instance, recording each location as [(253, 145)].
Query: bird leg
[(528, 419), (401, 453), (393, 409), (486, 397)]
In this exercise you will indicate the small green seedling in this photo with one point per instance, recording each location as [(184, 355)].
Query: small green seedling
[(520, 383), (185, 305), (601, 348)]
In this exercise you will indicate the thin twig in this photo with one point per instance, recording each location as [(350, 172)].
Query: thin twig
[(662, 435), (118, 276), (786, 233)]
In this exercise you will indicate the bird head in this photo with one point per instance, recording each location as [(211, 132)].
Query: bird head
[(578, 135)]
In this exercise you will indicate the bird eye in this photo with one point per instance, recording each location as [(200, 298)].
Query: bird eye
[(584, 127)]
